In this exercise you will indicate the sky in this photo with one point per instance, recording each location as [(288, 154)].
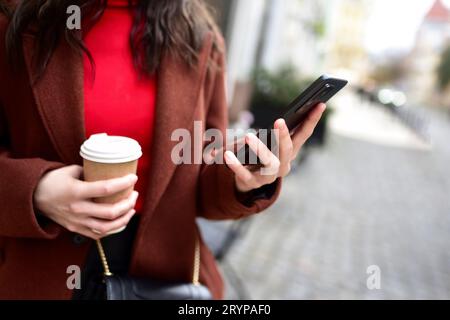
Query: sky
[(393, 24)]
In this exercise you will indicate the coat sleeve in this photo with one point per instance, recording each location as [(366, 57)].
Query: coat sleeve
[(219, 198), (18, 180)]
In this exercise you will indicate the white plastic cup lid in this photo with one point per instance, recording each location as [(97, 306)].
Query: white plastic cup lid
[(110, 149)]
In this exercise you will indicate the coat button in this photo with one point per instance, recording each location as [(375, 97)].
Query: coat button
[(78, 239)]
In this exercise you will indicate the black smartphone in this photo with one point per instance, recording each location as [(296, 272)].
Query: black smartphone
[(320, 91)]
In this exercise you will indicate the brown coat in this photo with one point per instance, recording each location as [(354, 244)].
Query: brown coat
[(41, 128)]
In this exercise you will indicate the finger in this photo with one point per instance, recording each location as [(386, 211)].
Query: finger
[(307, 128), (232, 145), (285, 142), (104, 227), (236, 166), (265, 176), (103, 188), (82, 230), (259, 148), (89, 233), (268, 159), (103, 210)]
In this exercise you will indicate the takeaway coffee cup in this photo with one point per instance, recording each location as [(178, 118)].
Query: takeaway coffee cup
[(107, 157)]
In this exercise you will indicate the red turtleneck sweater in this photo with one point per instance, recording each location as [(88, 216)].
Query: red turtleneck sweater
[(117, 101)]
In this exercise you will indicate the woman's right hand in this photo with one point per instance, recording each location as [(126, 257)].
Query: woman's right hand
[(64, 198)]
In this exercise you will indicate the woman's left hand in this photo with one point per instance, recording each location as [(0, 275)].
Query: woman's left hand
[(274, 167)]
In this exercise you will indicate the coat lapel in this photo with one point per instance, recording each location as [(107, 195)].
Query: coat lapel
[(59, 98), (178, 92)]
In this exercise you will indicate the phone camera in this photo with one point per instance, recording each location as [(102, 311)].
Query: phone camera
[(328, 88)]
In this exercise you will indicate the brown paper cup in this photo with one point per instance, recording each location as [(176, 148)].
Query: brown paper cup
[(95, 171), (108, 157)]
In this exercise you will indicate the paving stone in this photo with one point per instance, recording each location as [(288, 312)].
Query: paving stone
[(350, 205)]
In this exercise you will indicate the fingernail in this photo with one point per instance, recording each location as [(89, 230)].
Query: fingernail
[(280, 123), (229, 156), (133, 177)]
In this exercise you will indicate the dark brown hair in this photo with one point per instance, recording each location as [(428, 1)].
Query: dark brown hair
[(160, 26)]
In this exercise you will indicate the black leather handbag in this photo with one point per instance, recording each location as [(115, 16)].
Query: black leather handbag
[(133, 288)]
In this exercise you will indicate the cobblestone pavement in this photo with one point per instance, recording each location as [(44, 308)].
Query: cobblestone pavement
[(348, 206)]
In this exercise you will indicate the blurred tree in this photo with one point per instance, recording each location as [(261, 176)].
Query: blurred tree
[(272, 94), (276, 89), (443, 70)]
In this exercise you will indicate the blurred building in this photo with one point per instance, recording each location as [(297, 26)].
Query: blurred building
[(346, 51), (432, 38), (270, 34), (294, 34)]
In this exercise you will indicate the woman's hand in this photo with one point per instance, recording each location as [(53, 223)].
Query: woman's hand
[(65, 199), (274, 167)]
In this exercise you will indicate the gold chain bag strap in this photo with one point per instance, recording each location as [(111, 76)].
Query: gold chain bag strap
[(131, 288)]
